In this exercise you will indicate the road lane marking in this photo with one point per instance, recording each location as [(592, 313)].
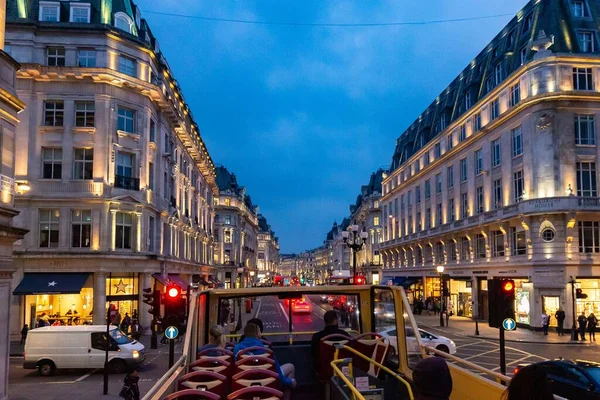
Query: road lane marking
[(284, 313), (87, 375), (258, 309), (481, 354), (468, 344)]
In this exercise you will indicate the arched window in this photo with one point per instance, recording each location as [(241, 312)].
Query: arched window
[(123, 22)]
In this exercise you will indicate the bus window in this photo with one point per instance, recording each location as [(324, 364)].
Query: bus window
[(384, 318)]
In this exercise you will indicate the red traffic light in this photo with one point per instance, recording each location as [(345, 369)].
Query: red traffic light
[(359, 280), (508, 286), (173, 292)]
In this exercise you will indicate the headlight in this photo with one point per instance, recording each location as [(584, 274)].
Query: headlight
[(136, 354)]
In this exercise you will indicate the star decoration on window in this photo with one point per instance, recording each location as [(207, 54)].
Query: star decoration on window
[(53, 283), (121, 286)]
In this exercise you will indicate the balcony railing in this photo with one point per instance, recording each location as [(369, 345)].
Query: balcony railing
[(127, 182)]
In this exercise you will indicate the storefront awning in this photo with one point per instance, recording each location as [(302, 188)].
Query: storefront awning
[(178, 280), (49, 283), (162, 279), (396, 280), (408, 282)]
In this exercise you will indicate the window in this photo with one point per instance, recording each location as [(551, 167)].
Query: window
[(586, 179), (81, 228), (227, 201), (409, 198), (450, 210), (417, 166), (464, 202), (578, 8), (375, 221), (589, 236), (152, 136), (56, 56), (227, 220), (463, 170), (498, 73), (518, 186), (582, 79), (124, 164), (478, 162), (83, 163), (449, 142), (497, 193), (528, 23), (548, 235), (452, 250), (51, 163), (124, 231), (586, 41), (227, 238), (515, 95), (53, 113), (126, 120), (85, 114), (585, 130), (427, 189), (86, 58), (463, 133), (438, 183), (427, 160), (49, 11), (417, 194), (438, 214), (510, 41), (437, 150), (151, 228), (419, 222), (496, 153), (442, 122), (467, 100), (497, 243), (523, 54), (479, 199), (494, 109), (428, 218), (517, 142), (476, 122), (480, 246), (123, 22), (80, 13), (151, 176), (411, 228), (402, 202), (464, 249), (49, 226), (450, 176), (127, 66), (519, 242)]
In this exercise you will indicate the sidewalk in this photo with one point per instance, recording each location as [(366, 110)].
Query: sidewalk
[(466, 327)]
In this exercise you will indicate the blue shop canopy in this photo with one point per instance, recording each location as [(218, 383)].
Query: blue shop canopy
[(51, 283)]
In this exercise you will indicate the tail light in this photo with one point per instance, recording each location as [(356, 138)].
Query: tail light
[(516, 370)]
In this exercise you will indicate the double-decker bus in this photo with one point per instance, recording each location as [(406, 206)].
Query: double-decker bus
[(278, 280)]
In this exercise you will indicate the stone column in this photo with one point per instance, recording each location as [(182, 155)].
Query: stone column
[(99, 317), (2, 22)]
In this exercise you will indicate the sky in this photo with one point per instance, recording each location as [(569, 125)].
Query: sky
[(302, 114)]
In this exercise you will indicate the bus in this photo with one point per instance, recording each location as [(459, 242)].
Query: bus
[(374, 361), (278, 280)]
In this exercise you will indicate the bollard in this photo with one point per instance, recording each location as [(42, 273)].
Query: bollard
[(476, 328)]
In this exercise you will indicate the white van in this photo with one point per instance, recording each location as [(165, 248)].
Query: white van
[(82, 346)]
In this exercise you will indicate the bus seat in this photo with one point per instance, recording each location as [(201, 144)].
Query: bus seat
[(211, 364), (229, 346), (267, 343), (204, 380), (375, 348), (256, 393), (256, 377), (223, 354), (192, 394), (254, 362), (255, 351), (327, 353)]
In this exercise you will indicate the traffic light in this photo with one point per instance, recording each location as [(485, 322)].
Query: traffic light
[(359, 280), (149, 299), (501, 301), (579, 294), (175, 307)]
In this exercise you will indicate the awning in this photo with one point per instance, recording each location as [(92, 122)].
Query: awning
[(162, 279), (396, 280), (178, 280), (407, 282), (52, 283)]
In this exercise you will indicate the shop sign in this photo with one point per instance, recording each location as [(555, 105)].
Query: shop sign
[(508, 271), (542, 203), (458, 272), (549, 272), (480, 272)]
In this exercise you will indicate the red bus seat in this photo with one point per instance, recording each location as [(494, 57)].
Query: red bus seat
[(256, 393), (267, 343), (255, 351), (254, 378), (327, 353), (254, 362), (223, 354), (211, 364), (204, 380), (192, 394), (375, 348)]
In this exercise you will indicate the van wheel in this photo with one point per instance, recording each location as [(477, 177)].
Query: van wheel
[(46, 368), (117, 366)]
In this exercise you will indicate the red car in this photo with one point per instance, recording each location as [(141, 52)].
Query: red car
[(300, 306)]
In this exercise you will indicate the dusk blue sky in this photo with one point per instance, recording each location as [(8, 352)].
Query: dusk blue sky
[(304, 115)]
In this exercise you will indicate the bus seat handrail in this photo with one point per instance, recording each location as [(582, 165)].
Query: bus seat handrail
[(469, 364), (337, 371), (383, 367)]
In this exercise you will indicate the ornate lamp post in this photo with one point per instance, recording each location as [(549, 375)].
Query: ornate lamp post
[(354, 242), (440, 270)]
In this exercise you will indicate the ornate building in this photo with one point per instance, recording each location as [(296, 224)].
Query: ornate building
[(114, 182), (268, 250), (497, 177)]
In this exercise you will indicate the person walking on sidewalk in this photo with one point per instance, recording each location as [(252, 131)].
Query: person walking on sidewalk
[(545, 322), (560, 320), (582, 320), (592, 321), (24, 333)]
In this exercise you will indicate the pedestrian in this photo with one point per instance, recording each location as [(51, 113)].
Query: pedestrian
[(136, 330), (125, 324), (530, 383), (582, 320), (225, 310), (24, 333), (130, 389), (592, 321), (545, 322), (560, 320)]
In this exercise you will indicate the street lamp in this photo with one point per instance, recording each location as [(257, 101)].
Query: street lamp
[(573, 327), (440, 270), (354, 242)]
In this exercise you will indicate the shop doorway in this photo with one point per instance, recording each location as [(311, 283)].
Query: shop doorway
[(550, 304)]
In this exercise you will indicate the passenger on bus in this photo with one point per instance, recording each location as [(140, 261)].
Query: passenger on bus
[(530, 383), (331, 328), (216, 340), (257, 322), (252, 339), (432, 379)]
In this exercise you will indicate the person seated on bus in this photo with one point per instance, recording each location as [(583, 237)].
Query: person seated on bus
[(331, 328), (252, 339), (257, 322), (530, 382), (216, 340), (432, 379)]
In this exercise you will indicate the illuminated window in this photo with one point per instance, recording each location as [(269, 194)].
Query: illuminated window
[(227, 201), (80, 13), (49, 227), (123, 22), (497, 243), (81, 228), (375, 221), (126, 120), (519, 242), (586, 41)]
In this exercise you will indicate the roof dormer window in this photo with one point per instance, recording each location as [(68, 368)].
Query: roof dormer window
[(80, 13), (49, 11), (123, 22)]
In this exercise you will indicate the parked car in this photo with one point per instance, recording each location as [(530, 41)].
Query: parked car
[(572, 379), (438, 342), (84, 346)]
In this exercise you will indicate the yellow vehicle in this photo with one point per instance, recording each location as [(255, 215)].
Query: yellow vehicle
[(352, 372)]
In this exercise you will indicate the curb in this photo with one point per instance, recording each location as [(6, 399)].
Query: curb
[(529, 341)]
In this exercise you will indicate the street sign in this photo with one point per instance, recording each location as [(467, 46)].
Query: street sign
[(171, 332), (509, 324)]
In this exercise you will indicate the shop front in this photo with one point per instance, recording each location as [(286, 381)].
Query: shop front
[(461, 300), (56, 298), (523, 304), (590, 287), (122, 291)]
